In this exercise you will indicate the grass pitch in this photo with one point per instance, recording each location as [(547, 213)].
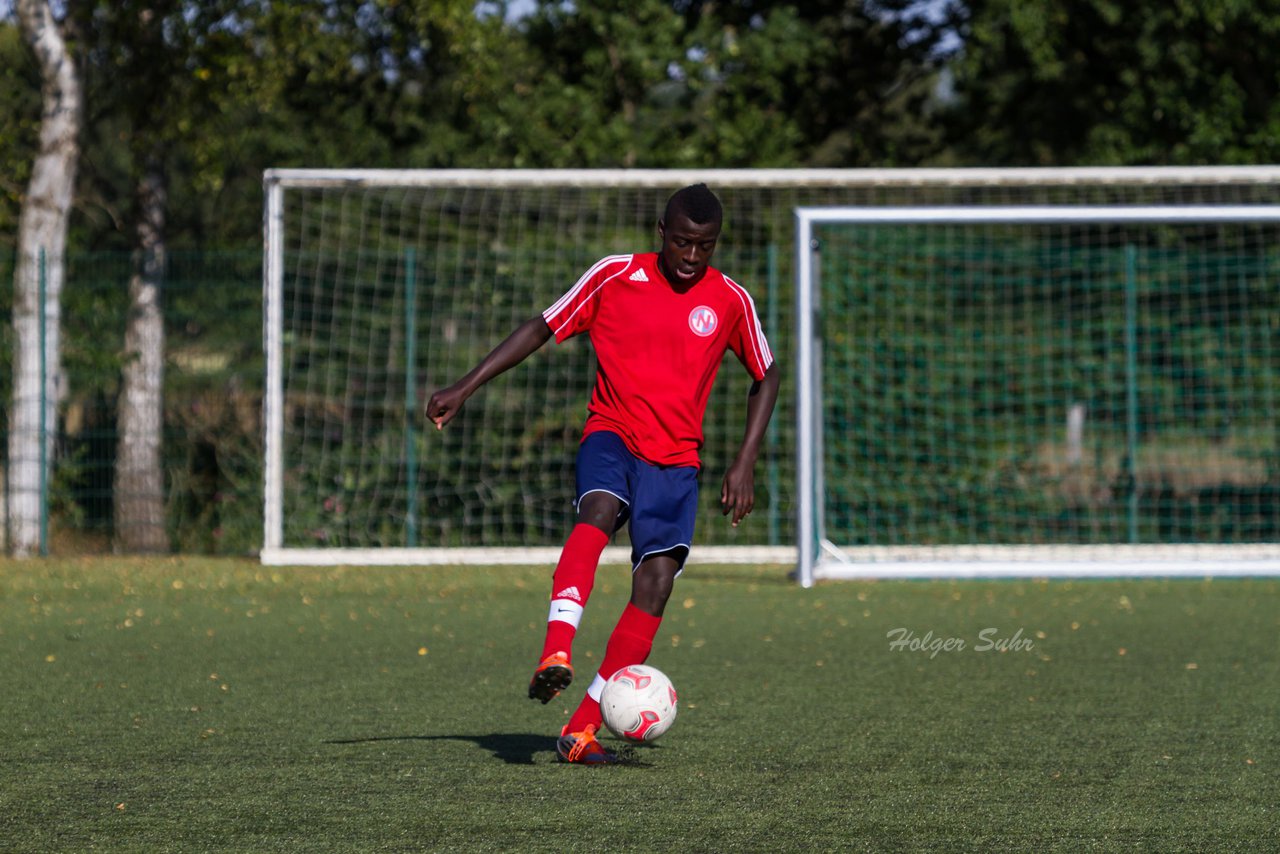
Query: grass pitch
[(212, 705)]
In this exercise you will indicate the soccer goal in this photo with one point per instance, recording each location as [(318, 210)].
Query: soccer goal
[(380, 286), (1038, 391)]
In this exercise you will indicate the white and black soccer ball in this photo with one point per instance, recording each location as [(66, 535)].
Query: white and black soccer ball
[(638, 703)]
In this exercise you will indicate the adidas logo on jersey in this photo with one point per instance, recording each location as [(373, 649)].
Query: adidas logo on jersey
[(638, 276), (569, 593)]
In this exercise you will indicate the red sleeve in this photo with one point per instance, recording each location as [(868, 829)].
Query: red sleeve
[(576, 310), (746, 337)]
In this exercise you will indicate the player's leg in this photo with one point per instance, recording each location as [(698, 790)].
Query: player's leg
[(602, 492), (571, 586), (632, 638), (630, 643), (664, 507), (652, 582)]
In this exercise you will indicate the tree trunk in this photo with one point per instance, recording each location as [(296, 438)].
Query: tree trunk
[(42, 240), (139, 482)]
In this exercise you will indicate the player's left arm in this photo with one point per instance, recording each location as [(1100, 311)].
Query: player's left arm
[(738, 492)]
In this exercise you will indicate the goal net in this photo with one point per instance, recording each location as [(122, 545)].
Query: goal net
[(381, 286)]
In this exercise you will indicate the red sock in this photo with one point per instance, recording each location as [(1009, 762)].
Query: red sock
[(630, 643), (571, 585)]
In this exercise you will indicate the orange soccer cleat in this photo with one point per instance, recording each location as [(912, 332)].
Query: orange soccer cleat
[(582, 748), (553, 675)]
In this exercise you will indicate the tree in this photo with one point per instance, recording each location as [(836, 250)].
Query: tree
[(825, 83), (143, 47), (38, 276), (692, 83), (138, 494), (164, 75), (1052, 82)]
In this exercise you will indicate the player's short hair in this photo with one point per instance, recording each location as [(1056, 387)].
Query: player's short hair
[(697, 202)]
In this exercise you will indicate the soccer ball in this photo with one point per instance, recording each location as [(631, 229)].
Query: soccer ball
[(638, 703)]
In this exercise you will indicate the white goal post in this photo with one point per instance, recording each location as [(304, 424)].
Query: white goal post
[(821, 558), (380, 285)]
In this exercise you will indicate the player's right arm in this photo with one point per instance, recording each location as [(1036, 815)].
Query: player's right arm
[(528, 337)]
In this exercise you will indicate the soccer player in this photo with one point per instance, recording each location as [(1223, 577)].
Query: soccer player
[(660, 323)]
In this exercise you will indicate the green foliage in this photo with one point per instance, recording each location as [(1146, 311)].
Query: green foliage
[(219, 91), (827, 83), (213, 401), (223, 90), (1059, 82), (19, 128)]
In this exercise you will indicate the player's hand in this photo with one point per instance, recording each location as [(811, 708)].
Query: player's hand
[(444, 404), (738, 492)]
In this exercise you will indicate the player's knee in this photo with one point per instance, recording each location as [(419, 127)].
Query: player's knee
[(651, 584), (600, 510)]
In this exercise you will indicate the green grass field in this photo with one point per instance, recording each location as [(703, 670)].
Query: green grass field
[(213, 705)]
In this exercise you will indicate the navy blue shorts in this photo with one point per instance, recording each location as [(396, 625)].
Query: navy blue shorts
[(660, 502)]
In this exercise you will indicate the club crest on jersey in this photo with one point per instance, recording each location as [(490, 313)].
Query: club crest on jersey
[(703, 321)]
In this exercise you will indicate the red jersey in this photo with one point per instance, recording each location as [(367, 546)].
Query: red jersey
[(657, 351)]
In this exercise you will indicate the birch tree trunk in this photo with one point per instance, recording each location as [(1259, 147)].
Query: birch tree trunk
[(139, 481), (42, 239)]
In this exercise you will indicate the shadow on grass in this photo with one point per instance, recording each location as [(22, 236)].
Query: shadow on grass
[(511, 747), (514, 748)]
